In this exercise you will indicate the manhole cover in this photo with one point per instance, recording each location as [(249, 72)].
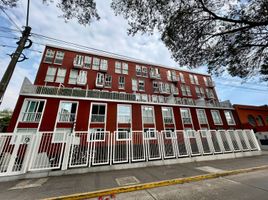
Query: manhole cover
[(129, 180)]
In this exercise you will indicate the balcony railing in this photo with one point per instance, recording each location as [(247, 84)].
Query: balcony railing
[(28, 88), (124, 119), (147, 120), (66, 117), (168, 120), (31, 116), (97, 118)]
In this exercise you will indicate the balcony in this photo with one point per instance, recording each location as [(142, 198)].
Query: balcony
[(29, 89), (31, 116), (173, 78), (66, 117)]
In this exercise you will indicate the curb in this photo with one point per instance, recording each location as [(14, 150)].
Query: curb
[(151, 185)]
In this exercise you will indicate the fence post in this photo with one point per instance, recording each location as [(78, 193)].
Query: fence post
[(255, 140), (29, 153), (66, 153)]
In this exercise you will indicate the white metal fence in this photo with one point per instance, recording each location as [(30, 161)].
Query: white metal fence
[(22, 152)]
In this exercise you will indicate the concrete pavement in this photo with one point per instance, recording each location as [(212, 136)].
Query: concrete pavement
[(65, 185)]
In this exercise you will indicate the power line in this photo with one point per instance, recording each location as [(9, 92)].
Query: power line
[(9, 46), (9, 29), (8, 37), (10, 19), (241, 87), (237, 81)]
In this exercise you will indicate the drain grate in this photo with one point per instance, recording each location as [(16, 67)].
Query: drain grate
[(129, 180)]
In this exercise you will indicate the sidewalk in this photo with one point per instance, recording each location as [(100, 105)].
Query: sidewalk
[(70, 184)]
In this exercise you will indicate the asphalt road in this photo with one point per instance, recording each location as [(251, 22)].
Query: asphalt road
[(251, 186)]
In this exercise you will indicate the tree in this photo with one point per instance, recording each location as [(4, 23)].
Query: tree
[(5, 117), (225, 35), (83, 10)]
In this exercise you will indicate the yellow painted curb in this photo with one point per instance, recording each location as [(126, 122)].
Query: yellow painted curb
[(144, 186)]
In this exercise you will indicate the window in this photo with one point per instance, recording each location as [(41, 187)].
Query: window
[(123, 134), (60, 75), (155, 86), (49, 56), (144, 71), (174, 90), (186, 116), (73, 76), (123, 114), (196, 80), (229, 117), (87, 62), (201, 115), (205, 81), (259, 120), (216, 117), (96, 134), (210, 93), (98, 113), (51, 72), (251, 120), (108, 81), (188, 90), (182, 78), (134, 85), (103, 65), (141, 85), (59, 57), (147, 115), (199, 92), (124, 68), (167, 113), (32, 110), (117, 67), (150, 133), (67, 112), (78, 61), (138, 70), (185, 89), (191, 79), (100, 80), (154, 73), (96, 63), (82, 77), (121, 82)]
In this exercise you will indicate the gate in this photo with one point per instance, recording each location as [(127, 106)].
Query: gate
[(194, 142), (152, 143), (215, 141), (121, 146), (234, 140), (181, 144), (242, 140), (206, 141), (14, 152), (226, 141), (168, 143), (251, 139), (137, 146)]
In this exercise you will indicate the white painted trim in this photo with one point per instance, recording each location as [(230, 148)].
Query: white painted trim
[(129, 105), (196, 110), (67, 101), (232, 116), (90, 116), (219, 116), (124, 58)]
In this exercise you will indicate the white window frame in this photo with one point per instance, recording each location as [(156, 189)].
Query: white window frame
[(141, 85), (49, 54), (203, 117), (218, 113), (104, 65), (231, 115), (170, 116), (96, 63), (105, 114), (87, 62), (153, 114), (51, 77), (73, 77), (59, 57), (108, 80), (134, 83), (144, 71), (182, 117), (60, 78), (118, 67), (124, 68), (75, 114), (25, 110), (138, 70), (124, 115), (121, 84)]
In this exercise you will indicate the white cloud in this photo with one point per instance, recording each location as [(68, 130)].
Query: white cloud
[(109, 34)]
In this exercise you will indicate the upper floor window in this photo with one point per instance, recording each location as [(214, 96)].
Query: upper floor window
[(229, 117), (49, 56), (155, 86), (67, 111), (147, 115), (216, 117), (121, 82), (141, 85), (167, 113), (210, 93), (199, 91), (124, 114), (186, 116), (60, 75), (201, 115), (259, 120), (73, 76), (32, 110), (138, 70), (87, 62), (154, 73), (82, 78), (78, 61), (182, 77), (96, 63), (104, 65), (144, 71), (134, 85), (59, 57), (51, 72), (100, 80), (98, 113), (108, 81), (193, 79), (121, 67), (251, 120), (186, 91)]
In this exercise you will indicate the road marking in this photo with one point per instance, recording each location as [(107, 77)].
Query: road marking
[(27, 184), (210, 169)]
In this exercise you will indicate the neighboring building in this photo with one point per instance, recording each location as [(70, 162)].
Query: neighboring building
[(92, 91), (256, 118)]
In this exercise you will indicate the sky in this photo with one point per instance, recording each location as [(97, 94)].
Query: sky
[(109, 34)]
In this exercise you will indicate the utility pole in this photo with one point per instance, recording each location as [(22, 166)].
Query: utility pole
[(15, 56)]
